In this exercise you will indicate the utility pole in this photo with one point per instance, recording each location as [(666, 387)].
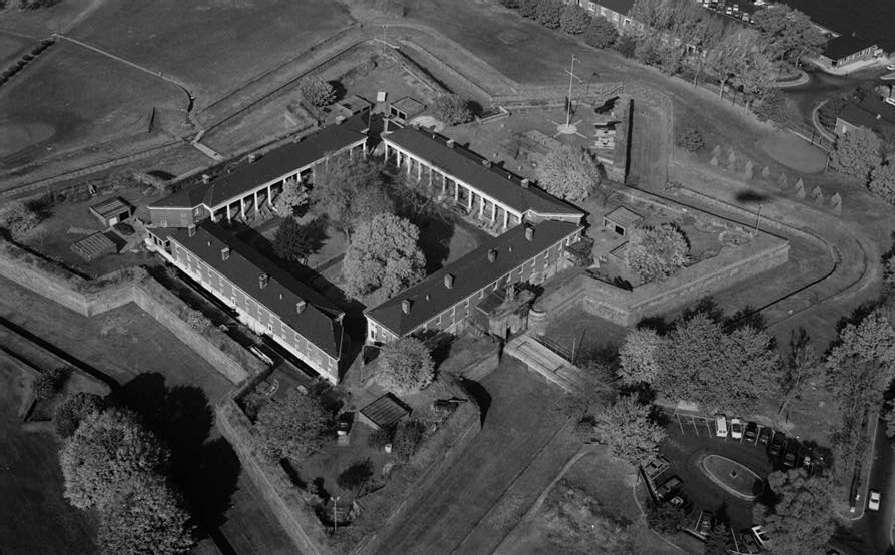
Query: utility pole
[(571, 73)]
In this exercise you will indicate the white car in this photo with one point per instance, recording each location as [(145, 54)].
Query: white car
[(721, 425), (761, 536), (736, 428), (890, 67), (873, 500)]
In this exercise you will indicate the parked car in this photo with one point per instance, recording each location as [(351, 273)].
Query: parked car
[(751, 432), (873, 500), (777, 444), (344, 423), (761, 537), (704, 524), (764, 436), (669, 488), (736, 428), (721, 425), (790, 454)]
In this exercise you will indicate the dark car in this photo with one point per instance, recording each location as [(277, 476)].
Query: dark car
[(790, 454), (777, 444), (344, 423), (764, 436), (669, 488), (750, 432)]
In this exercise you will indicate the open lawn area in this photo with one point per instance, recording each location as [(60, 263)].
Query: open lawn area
[(650, 147), (581, 332), (70, 97), (11, 47), (34, 517), (590, 510)]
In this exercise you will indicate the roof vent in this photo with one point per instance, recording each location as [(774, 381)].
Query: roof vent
[(486, 163), (191, 229), (225, 253), (450, 143), (405, 306), (529, 232), (300, 306), (449, 281), (525, 183), (206, 178), (262, 280), (492, 255)]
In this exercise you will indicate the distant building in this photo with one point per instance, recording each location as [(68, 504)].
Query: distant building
[(405, 109), (872, 113), (266, 298), (111, 211), (845, 50), (247, 187), (445, 299)]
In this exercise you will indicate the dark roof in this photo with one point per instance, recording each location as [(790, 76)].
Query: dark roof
[(467, 166), (94, 245), (110, 207), (872, 113), (317, 323), (385, 411), (267, 167), (846, 45), (471, 273), (409, 105), (620, 6), (623, 216)]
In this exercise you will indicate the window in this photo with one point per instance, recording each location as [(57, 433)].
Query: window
[(269, 327), (590, 6), (615, 17)]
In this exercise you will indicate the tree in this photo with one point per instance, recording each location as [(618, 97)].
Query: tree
[(317, 91), (600, 33), (569, 173), (294, 241), (383, 255), (49, 383), (107, 452), (800, 520), (356, 475), (755, 77), (408, 437), (149, 519), (349, 190), (293, 195), (574, 20), (405, 366), (75, 408), (691, 138), (666, 518), (638, 356), (628, 431), (19, 220), (452, 109), (529, 8), (720, 541), (657, 252), (730, 57), (626, 45), (291, 428), (707, 34), (856, 153), (774, 107), (802, 366), (787, 33), (548, 13), (872, 339), (882, 180), (672, 28)]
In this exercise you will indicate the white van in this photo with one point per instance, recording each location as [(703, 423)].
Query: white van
[(721, 425)]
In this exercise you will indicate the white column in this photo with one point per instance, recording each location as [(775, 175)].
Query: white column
[(493, 211), (227, 208), (242, 208), (269, 195), (469, 200), (256, 202), (365, 149), (506, 218), (443, 184), (456, 191), (419, 169), (481, 206)]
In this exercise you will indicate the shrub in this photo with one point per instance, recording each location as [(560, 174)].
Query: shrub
[(666, 518), (73, 410), (380, 438), (408, 437), (548, 13), (626, 46), (355, 475), (511, 4), (657, 252), (19, 220), (600, 33), (317, 91), (196, 320), (49, 383), (405, 366), (574, 20), (529, 8), (452, 109), (690, 138)]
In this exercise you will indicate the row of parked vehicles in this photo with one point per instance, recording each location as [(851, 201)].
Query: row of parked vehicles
[(787, 453)]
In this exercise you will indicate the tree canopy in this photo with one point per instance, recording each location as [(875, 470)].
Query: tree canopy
[(294, 241), (405, 366), (383, 255), (317, 91), (291, 428), (600, 33), (626, 428), (657, 252), (882, 180), (452, 109), (787, 33), (856, 153), (574, 20), (75, 408), (800, 520), (293, 195), (638, 357), (349, 191), (107, 452), (569, 173)]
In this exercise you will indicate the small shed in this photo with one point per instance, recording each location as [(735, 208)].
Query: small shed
[(352, 105), (384, 412), (110, 212), (94, 245), (406, 108), (621, 220)]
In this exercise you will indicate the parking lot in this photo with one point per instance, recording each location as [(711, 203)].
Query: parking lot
[(681, 480)]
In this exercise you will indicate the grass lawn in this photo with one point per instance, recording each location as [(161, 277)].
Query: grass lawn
[(11, 47), (650, 144), (583, 332), (733, 475), (794, 153), (214, 45), (34, 517), (70, 97)]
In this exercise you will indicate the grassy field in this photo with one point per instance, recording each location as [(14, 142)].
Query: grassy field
[(213, 45), (34, 517), (71, 98), (11, 47)]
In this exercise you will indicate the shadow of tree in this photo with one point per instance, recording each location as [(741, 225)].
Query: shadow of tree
[(206, 472)]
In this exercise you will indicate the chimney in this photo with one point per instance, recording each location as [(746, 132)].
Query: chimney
[(449, 281), (450, 143), (529, 232), (191, 229), (486, 163), (225, 253), (252, 158), (206, 178), (300, 306), (262, 280), (525, 183), (405, 306), (492, 255)]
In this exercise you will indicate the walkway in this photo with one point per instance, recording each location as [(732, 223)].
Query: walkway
[(542, 360)]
